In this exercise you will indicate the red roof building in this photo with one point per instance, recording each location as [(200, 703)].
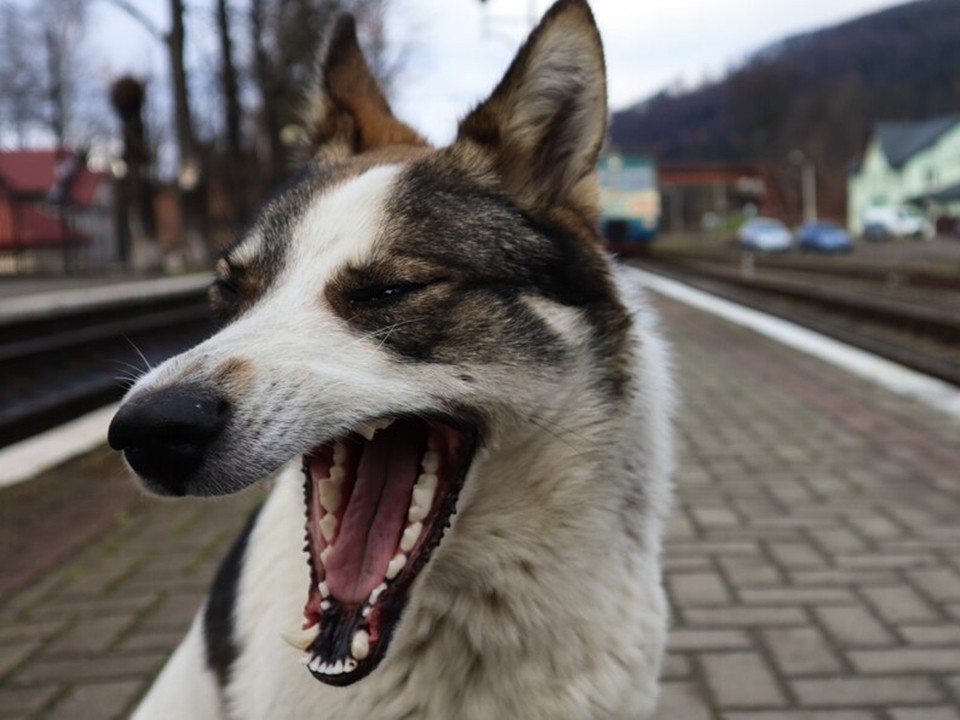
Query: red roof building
[(40, 191)]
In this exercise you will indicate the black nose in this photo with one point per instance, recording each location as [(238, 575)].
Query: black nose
[(165, 434)]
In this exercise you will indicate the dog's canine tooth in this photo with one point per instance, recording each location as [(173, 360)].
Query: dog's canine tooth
[(431, 462), (301, 639), (367, 430), (360, 645), (410, 536), (396, 565), (330, 495), (349, 665), (328, 526)]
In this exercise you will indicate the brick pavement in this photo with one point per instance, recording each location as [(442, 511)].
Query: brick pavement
[(813, 561)]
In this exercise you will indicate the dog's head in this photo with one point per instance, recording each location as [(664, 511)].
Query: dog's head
[(393, 310)]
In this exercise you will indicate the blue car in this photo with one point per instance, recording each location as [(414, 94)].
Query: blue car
[(823, 237)]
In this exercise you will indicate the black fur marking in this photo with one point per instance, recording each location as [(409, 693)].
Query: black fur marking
[(218, 619)]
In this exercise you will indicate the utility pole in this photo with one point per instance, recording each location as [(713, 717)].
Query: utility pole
[(808, 184)]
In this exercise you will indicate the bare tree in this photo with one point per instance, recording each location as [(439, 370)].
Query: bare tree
[(285, 36), (63, 24), (21, 76)]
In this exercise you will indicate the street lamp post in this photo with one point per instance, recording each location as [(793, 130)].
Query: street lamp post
[(808, 184)]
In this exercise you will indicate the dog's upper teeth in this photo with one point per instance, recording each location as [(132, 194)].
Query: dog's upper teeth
[(360, 645), (396, 565), (369, 429), (339, 454), (301, 639)]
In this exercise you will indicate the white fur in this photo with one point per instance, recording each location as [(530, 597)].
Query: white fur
[(583, 639)]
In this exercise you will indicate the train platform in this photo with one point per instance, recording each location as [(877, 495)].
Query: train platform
[(812, 562)]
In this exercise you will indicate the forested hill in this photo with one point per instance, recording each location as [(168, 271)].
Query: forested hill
[(819, 92)]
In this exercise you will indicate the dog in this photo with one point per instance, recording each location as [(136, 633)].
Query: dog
[(465, 409)]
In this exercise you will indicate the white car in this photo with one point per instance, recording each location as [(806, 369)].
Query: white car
[(896, 222), (764, 234)]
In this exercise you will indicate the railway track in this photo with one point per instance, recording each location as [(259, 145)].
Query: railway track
[(71, 354), (920, 329)]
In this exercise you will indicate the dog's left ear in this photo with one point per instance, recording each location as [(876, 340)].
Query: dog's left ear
[(544, 124), (347, 112)]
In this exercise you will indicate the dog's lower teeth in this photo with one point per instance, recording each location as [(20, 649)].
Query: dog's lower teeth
[(360, 645), (323, 589), (328, 527), (330, 495), (349, 665), (410, 536), (325, 605), (376, 593), (430, 462), (396, 565)]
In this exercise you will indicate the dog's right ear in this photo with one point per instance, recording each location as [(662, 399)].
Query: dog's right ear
[(346, 112)]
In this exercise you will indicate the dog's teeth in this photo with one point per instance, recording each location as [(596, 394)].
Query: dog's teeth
[(423, 496), (330, 495), (337, 669), (306, 660), (339, 454), (325, 553), (301, 639), (396, 565), (416, 513), (315, 664), (375, 595), (367, 430), (324, 589), (349, 665), (328, 526), (337, 474), (427, 481), (366, 611), (325, 605), (430, 462), (410, 536), (360, 645)]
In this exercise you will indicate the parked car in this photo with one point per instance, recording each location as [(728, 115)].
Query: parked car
[(823, 237), (896, 221), (764, 234)]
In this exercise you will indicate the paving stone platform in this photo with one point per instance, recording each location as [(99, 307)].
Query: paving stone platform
[(813, 561)]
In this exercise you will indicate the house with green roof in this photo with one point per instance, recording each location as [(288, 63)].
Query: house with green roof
[(908, 163)]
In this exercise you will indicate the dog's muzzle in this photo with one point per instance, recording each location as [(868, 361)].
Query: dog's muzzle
[(165, 434)]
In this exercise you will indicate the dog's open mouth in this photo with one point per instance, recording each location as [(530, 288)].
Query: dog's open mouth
[(378, 502)]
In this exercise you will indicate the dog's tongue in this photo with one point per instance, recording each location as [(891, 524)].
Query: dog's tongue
[(376, 513)]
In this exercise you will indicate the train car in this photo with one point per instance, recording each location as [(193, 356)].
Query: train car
[(629, 199)]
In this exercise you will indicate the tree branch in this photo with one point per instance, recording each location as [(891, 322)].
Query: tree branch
[(133, 11)]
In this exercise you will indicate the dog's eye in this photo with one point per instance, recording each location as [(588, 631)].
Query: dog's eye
[(226, 292), (378, 294)]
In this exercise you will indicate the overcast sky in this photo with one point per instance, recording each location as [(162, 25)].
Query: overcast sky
[(457, 49)]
